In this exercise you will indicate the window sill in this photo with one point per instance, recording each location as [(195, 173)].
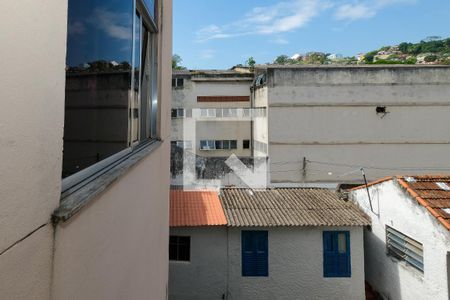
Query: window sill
[(74, 202)]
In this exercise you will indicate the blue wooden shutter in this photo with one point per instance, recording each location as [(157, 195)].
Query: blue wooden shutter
[(336, 263), (247, 254), (262, 255), (255, 256)]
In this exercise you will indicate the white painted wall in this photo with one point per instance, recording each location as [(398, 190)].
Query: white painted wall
[(33, 53), (328, 114), (295, 266), (204, 277), (223, 128), (392, 278), (115, 247)]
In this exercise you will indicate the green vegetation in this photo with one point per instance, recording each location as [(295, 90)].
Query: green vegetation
[(176, 62)]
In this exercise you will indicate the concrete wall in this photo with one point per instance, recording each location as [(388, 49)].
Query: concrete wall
[(33, 52), (328, 114), (392, 278), (116, 247), (295, 266), (205, 276)]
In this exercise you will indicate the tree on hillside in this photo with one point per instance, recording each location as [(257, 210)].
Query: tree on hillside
[(282, 60), (176, 62), (251, 62)]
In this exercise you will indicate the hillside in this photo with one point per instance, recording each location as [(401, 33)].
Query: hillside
[(429, 51)]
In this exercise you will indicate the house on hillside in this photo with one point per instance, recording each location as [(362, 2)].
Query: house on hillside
[(407, 248), (281, 243)]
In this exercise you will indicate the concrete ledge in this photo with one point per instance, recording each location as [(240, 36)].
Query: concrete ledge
[(92, 187)]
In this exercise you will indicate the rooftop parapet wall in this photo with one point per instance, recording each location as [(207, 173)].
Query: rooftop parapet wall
[(385, 85), (339, 75)]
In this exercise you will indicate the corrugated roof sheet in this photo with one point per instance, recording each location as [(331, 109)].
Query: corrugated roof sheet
[(289, 207), (195, 208), (428, 191)]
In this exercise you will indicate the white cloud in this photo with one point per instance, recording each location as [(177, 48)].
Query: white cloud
[(76, 28), (116, 25), (208, 54), (279, 40), (282, 17), (365, 9)]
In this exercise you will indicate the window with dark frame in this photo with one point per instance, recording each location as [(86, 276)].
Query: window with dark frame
[(180, 248), (111, 102), (255, 253), (246, 144), (178, 82)]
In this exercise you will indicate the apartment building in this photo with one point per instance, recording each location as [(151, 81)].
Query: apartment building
[(85, 149), (211, 119), (324, 123)]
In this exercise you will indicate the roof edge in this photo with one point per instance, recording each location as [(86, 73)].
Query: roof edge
[(423, 202)]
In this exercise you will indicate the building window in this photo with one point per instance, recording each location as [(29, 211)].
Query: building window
[(404, 248), (336, 254), (187, 145), (178, 82), (178, 113), (218, 144), (207, 145), (255, 253), (180, 248), (111, 103), (246, 144)]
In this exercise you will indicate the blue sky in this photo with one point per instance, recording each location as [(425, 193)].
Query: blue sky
[(217, 34)]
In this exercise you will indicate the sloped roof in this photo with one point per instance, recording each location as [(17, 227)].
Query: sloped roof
[(195, 208), (430, 191), (289, 207)]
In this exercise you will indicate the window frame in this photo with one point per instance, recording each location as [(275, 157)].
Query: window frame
[(77, 180), (178, 246)]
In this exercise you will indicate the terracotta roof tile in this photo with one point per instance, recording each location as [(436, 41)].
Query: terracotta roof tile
[(426, 191), (289, 207), (195, 208)]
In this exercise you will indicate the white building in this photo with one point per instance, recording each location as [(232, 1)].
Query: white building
[(407, 249), (265, 244), (326, 122), (84, 149), (218, 102)]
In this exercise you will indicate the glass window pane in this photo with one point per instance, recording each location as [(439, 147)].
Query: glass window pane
[(98, 81), (233, 144), (150, 4)]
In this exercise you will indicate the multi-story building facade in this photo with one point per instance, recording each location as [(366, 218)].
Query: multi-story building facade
[(211, 116), (85, 149), (325, 123)]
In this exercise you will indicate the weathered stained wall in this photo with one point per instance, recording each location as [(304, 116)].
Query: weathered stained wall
[(204, 276), (392, 278), (296, 267), (31, 132), (328, 114)]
